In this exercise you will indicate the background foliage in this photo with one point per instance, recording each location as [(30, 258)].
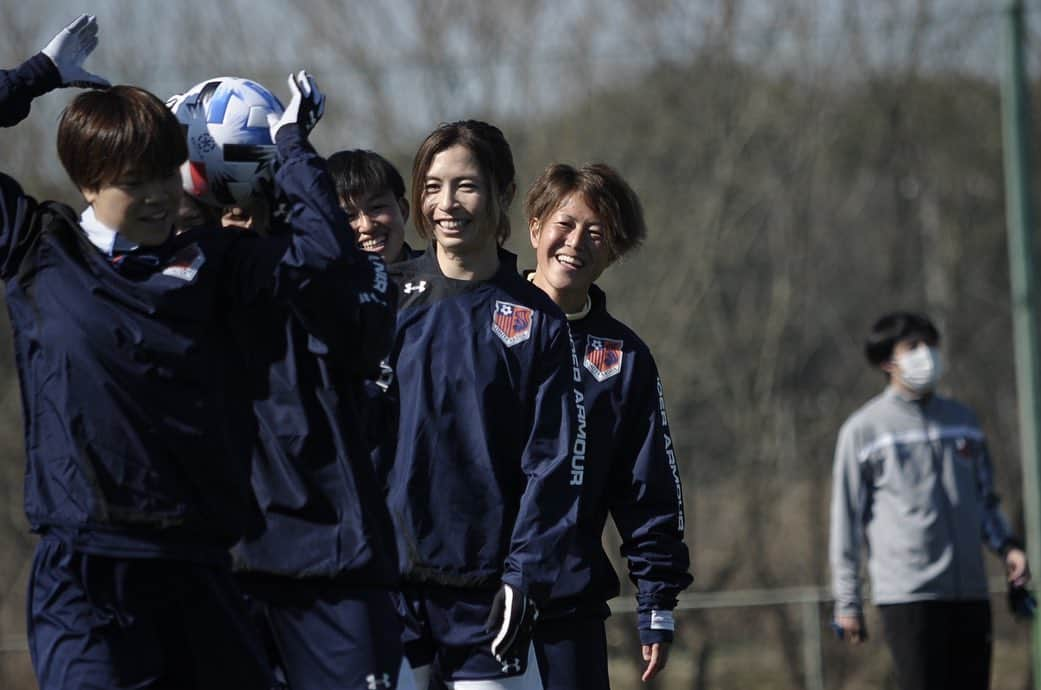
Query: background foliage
[(805, 165)]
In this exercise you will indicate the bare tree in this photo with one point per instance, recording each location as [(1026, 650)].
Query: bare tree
[(804, 165)]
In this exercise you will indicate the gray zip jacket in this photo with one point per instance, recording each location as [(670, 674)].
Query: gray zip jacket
[(913, 483)]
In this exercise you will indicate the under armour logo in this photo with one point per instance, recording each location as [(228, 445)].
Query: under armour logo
[(374, 683), (386, 376), (511, 665), (409, 288)]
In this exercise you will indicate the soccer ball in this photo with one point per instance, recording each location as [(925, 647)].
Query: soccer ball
[(230, 152)]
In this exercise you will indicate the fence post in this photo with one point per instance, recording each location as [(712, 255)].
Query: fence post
[(812, 652), (1021, 249)]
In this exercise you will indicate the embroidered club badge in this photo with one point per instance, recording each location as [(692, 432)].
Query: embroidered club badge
[(603, 357), (511, 322), (186, 263)]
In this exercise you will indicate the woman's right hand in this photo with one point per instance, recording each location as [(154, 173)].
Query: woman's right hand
[(853, 629), (69, 50)]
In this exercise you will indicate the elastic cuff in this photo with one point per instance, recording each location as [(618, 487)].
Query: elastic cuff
[(656, 626), (290, 137), (851, 610), (514, 579), (653, 636)]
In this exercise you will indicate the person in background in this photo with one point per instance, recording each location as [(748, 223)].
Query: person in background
[(192, 213), (580, 221), (372, 194), (913, 484), (252, 215), (121, 344)]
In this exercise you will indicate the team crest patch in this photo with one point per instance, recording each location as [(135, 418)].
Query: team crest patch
[(603, 357), (511, 322), (186, 263)]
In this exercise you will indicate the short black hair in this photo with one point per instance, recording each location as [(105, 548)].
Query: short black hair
[(358, 172), (894, 327)]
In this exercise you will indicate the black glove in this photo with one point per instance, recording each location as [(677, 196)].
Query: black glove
[(512, 619), (1021, 603)]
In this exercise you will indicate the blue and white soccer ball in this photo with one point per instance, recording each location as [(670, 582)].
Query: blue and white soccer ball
[(230, 152)]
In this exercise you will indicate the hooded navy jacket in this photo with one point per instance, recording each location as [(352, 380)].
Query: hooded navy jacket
[(122, 363), (631, 473), (487, 472), (323, 508)]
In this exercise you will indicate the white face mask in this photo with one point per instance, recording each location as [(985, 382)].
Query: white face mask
[(919, 369)]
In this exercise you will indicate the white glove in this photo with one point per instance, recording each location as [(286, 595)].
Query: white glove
[(70, 48), (174, 101), (305, 107)]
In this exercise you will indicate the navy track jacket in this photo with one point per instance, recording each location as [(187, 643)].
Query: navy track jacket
[(324, 510), (631, 473), (123, 365), (485, 480)]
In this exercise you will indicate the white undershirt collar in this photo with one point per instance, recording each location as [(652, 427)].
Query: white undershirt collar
[(581, 313), (573, 316), (103, 237)]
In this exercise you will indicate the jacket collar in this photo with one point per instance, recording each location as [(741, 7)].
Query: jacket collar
[(900, 398), (507, 265), (596, 302)]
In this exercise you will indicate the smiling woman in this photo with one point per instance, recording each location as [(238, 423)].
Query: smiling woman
[(142, 212), (580, 221), (137, 446), (462, 185), (483, 477), (372, 193), (571, 252), (122, 147), (458, 205)]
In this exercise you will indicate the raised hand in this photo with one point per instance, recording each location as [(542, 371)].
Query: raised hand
[(306, 105), (70, 48)]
